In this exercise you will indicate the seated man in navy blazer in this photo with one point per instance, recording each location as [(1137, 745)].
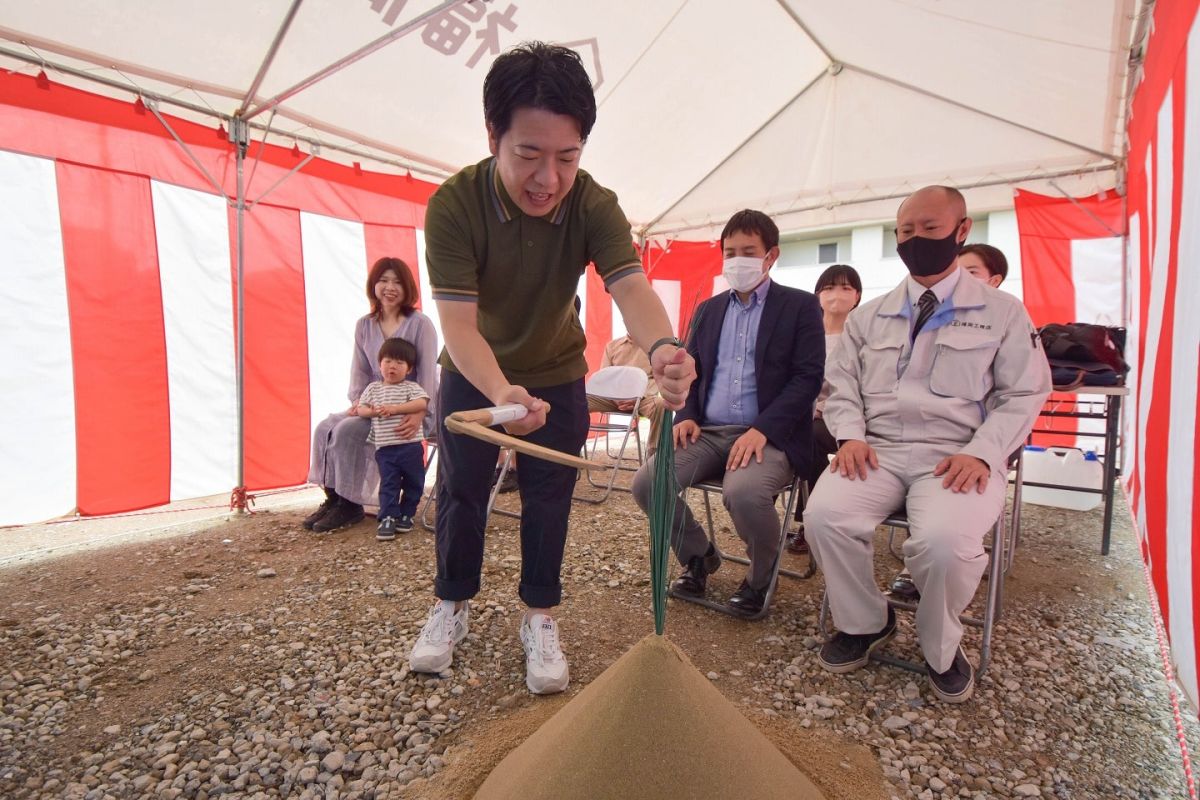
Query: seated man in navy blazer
[(760, 359)]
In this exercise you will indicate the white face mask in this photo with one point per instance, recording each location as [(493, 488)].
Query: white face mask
[(743, 273)]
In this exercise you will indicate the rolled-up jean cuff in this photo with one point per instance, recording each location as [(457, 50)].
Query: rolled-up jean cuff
[(540, 596), (463, 589)]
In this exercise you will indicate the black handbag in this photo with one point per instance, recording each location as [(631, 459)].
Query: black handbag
[(1081, 354)]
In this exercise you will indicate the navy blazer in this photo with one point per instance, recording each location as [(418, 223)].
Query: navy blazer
[(789, 366)]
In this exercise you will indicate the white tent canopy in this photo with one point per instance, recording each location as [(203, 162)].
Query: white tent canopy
[(818, 113)]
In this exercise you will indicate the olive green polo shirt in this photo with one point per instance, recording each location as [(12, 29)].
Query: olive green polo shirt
[(523, 271)]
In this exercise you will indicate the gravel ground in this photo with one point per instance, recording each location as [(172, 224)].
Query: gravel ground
[(255, 659)]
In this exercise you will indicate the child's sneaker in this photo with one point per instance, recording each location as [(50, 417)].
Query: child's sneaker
[(545, 665), (434, 650), (387, 529), (404, 523)]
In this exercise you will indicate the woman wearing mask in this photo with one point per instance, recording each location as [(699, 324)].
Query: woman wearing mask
[(839, 290)]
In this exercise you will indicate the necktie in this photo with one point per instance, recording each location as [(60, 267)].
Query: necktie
[(925, 308)]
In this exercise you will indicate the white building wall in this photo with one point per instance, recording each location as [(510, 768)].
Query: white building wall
[(871, 249)]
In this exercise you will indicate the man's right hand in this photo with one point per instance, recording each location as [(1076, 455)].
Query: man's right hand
[(536, 417), (625, 405), (686, 432), (853, 458)]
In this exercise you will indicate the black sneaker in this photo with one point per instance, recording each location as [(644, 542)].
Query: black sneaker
[(846, 652), (404, 523), (343, 515), (387, 529), (509, 484), (796, 543), (903, 587), (326, 506), (955, 685)]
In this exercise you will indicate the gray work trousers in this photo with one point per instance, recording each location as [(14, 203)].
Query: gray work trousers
[(944, 550), (748, 495)]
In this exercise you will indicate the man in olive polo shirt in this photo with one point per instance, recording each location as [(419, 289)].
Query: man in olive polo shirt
[(506, 242)]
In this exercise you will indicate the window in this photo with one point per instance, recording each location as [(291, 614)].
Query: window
[(827, 253), (889, 242)]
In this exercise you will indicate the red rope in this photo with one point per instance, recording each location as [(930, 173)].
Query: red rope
[(1167, 670), (248, 499)]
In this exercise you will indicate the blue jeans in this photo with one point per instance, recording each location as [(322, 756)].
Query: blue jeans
[(401, 478)]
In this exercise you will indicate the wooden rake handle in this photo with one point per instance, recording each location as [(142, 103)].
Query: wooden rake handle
[(477, 423)]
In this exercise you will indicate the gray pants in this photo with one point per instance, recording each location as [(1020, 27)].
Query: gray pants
[(944, 550), (748, 495)]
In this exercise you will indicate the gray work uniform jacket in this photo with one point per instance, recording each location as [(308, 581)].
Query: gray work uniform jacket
[(973, 382)]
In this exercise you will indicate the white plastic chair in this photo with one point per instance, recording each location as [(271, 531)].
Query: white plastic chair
[(617, 384)]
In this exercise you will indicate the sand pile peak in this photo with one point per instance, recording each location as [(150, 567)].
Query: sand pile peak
[(650, 726)]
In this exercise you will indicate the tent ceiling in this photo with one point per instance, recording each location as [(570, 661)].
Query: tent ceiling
[(810, 110)]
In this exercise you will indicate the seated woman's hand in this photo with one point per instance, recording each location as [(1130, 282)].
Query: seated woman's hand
[(409, 425)]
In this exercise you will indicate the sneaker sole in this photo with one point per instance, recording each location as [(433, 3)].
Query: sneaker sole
[(851, 666), (431, 667), (552, 688), (384, 537), (961, 697)]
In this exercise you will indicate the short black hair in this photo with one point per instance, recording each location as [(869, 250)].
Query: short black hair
[(839, 274), (750, 221), (993, 259), (399, 349), (538, 75)]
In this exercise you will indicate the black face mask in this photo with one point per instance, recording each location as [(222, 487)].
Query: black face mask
[(925, 257)]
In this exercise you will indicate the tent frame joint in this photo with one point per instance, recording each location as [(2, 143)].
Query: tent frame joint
[(152, 104)]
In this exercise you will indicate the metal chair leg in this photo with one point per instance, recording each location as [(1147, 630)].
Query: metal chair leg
[(790, 496), (991, 612), (508, 454), (431, 494), (611, 486)]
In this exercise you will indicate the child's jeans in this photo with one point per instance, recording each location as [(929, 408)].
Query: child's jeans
[(401, 478)]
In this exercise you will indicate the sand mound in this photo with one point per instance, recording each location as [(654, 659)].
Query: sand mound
[(650, 726)]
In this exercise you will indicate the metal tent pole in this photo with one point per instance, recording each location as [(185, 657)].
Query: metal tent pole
[(239, 136)]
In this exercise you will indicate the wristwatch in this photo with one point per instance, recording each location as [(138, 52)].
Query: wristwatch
[(665, 340)]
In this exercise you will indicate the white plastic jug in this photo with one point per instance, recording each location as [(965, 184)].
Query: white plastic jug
[(1067, 466)]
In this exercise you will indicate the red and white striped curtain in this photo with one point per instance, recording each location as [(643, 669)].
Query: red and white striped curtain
[(117, 303), (1163, 348)]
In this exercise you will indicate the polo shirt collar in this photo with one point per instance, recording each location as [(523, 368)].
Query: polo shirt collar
[(507, 210)]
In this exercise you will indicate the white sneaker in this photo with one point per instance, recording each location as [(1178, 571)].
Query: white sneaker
[(434, 650), (545, 664)]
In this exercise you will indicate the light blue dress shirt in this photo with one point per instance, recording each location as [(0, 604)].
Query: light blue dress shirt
[(733, 392)]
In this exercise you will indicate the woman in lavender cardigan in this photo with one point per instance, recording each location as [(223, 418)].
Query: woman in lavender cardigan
[(342, 460)]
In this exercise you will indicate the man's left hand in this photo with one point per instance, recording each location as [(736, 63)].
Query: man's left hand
[(409, 424), (674, 370), (749, 445), (963, 472)]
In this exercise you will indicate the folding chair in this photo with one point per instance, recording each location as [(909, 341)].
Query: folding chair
[(797, 489), (617, 384), (998, 561), (428, 515), (430, 485)]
